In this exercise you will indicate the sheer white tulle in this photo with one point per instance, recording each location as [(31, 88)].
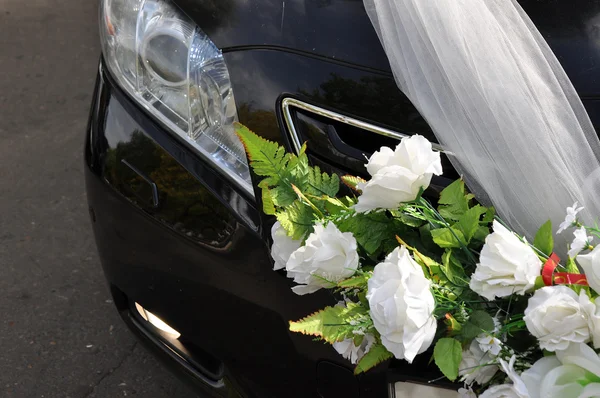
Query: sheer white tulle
[(498, 101)]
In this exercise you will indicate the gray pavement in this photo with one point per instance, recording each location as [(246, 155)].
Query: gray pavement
[(59, 333)]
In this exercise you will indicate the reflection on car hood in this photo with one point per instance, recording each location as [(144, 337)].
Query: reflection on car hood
[(341, 30)]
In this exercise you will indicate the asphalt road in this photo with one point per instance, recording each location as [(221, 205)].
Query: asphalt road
[(60, 335)]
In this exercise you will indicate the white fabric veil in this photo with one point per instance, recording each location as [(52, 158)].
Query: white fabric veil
[(499, 103)]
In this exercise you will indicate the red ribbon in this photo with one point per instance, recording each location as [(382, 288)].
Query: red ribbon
[(560, 278)]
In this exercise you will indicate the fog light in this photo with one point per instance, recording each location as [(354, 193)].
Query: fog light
[(157, 322)]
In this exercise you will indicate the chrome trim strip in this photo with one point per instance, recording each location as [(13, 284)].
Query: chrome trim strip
[(287, 103)]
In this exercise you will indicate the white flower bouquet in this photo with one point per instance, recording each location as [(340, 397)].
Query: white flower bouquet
[(499, 314)]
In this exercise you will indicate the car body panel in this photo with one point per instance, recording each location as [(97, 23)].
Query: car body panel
[(197, 260), (174, 233), (341, 30)]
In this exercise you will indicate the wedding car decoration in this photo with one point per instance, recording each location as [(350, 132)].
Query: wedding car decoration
[(503, 316)]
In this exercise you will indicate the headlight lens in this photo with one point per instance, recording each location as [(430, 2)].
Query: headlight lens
[(172, 68)]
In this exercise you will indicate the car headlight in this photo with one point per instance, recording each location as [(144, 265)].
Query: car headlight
[(169, 66)]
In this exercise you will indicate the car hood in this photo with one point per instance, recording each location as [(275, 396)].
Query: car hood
[(341, 30)]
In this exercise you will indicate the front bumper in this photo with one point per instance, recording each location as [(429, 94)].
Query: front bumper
[(178, 238)]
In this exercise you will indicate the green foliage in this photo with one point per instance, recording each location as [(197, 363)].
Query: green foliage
[(489, 215), (268, 203), (358, 339), (332, 323), (448, 237), (453, 201), (571, 267), (376, 355), (544, 240), (482, 232), (322, 183), (281, 195), (453, 269), (291, 189), (352, 182), (431, 268), (297, 220), (335, 206), (359, 281), (371, 230), (479, 322), (447, 355), (407, 219), (269, 159), (468, 223), (539, 283), (445, 242)]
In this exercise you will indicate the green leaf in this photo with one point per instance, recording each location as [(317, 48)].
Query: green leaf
[(358, 339), (453, 201), (483, 320), (479, 322), (283, 195), (468, 223), (406, 219), (431, 268), (331, 323), (572, 267), (448, 237), (490, 213), (280, 169), (316, 324), (267, 200), (539, 283), (267, 158), (427, 240), (453, 269), (447, 355), (481, 233), (352, 182), (297, 220), (544, 241), (376, 355), (334, 205), (370, 230), (357, 281), (322, 183)]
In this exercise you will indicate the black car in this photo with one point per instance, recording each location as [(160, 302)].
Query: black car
[(184, 245)]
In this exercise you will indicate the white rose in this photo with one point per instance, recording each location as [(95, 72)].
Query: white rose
[(559, 376), (401, 305), (534, 376), (502, 391), (283, 246), (561, 382), (557, 317), (592, 312), (506, 265), (351, 352), (579, 362), (477, 366), (466, 393), (581, 241), (590, 263), (327, 257), (397, 176)]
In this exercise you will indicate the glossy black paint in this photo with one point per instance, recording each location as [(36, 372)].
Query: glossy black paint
[(341, 30), (176, 236), (196, 260)]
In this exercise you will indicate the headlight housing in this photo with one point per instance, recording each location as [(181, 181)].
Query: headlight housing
[(170, 67)]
